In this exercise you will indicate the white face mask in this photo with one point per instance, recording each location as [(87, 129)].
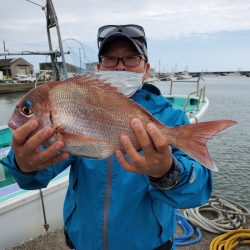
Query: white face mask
[(126, 82)]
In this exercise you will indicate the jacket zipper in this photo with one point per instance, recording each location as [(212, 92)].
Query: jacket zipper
[(107, 204)]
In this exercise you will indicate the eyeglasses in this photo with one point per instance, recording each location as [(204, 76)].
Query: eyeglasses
[(131, 30), (129, 61)]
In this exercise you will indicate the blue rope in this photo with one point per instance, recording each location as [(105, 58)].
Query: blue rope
[(188, 232)]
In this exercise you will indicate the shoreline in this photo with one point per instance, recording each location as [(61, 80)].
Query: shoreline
[(16, 87)]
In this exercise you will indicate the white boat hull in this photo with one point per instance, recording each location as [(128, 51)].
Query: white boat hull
[(22, 217), (200, 114)]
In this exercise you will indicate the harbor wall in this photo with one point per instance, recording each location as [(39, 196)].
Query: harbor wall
[(16, 87)]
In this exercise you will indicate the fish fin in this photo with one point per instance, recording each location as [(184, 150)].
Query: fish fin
[(106, 86), (91, 79), (87, 147), (192, 139)]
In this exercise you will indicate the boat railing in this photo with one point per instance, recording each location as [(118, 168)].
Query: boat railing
[(200, 92), (201, 97), (45, 73), (196, 81), (42, 74), (194, 117)]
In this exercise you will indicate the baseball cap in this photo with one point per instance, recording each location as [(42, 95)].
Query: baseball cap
[(135, 34)]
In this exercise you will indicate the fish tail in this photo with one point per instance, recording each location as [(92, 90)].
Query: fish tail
[(192, 139)]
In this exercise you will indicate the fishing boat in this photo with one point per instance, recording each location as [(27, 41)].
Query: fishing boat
[(25, 214), (169, 77), (194, 104), (184, 75)]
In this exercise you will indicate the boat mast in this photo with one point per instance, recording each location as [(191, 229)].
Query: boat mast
[(52, 21)]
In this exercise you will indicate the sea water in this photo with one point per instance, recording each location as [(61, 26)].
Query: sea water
[(230, 149), (229, 98)]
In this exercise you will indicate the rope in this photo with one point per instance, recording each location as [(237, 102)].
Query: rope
[(228, 215), (231, 240), (188, 232), (45, 225), (228, 204)]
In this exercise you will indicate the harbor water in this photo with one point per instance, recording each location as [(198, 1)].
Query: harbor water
[(230, 149), (229, 99)]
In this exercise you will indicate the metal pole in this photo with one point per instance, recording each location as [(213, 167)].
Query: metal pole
[(171, 86), (17, 53), (198, 85), (51, 20), (80, 56), (45, 225), (53, 64), (51, 8), (5, 62), (159, 68)]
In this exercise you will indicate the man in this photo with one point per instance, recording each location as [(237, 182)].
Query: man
[(125, 202)]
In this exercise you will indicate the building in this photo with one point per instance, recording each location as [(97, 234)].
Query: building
[(16, 66)]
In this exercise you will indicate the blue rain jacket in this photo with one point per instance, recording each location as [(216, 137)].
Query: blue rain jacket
[(107, 207)]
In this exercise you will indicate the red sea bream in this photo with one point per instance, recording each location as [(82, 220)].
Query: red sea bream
[(90, 115)]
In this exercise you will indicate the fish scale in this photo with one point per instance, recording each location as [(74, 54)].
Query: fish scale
[(89, 118)]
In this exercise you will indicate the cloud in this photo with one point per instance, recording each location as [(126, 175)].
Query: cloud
[(23, 25), (162, 19)]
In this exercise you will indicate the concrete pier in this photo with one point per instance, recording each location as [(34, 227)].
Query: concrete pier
[(16, 87), (55, 241)]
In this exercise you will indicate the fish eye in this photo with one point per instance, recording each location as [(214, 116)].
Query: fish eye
[(27, 111)]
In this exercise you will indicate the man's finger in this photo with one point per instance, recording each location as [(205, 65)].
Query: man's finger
[(39, 138), (22, 133), (56, 159), (50, 152), (158, 138), (130, 150), (126, 165), (142, 136)]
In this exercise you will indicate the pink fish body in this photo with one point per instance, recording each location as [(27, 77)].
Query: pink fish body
[(90, 115)]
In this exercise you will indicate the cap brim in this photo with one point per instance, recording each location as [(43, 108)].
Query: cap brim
[(117, 36)]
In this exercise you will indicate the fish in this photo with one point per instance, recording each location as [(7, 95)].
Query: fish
[(89, 115)]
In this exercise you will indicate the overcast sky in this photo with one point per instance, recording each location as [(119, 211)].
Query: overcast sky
[(198, 35)]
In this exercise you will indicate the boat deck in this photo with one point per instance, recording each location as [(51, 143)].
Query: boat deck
[(6, 136), (192, 105), (13, 190)]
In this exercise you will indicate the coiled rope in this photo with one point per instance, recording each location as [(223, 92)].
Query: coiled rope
[(227, 215), (231, 240), (188, 232)]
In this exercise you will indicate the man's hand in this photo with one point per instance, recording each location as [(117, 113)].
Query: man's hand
[(26, 148), (157, 158)]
